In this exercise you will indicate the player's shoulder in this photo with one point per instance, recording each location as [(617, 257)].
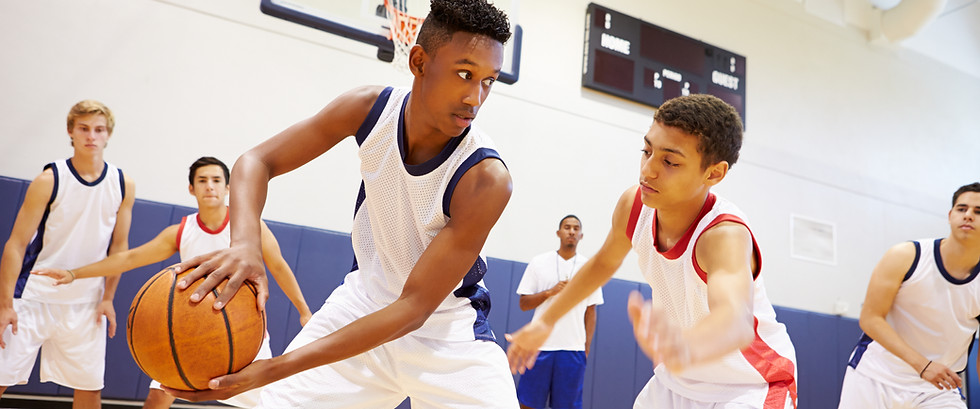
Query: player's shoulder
[(905, 251), (363, 97)]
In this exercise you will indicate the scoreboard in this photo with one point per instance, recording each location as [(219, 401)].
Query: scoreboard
[(630, 58)]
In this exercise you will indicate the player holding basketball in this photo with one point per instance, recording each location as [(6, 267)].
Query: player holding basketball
[(199, 233), (73, 213), (410, 319), (919, 318), (712, 332)]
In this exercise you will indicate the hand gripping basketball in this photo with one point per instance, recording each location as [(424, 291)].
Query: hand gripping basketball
[(183, 344)]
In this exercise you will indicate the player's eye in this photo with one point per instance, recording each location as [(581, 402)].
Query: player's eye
[(464, 75), (489, 81)]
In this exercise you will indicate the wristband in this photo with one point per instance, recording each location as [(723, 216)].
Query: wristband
[(924, 369), (72, 275)]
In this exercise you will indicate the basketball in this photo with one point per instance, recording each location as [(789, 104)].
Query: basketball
[(183, 345)]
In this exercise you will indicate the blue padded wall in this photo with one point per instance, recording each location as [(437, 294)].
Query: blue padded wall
[(614, 350), (11, 195), (617, 370), (149, 219), (279, 309)]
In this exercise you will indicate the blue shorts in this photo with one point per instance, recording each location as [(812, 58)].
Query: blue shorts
[(557, 375)]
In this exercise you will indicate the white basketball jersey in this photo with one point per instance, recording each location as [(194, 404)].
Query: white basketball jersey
[(75, 231), (935, 313), (679, 285), (400, 209), (194, 238)]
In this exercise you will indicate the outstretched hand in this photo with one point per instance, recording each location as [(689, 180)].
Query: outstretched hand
[(659, 339), (59, 275), (238, 264), (524, 345), (226, 386), (941, 376)]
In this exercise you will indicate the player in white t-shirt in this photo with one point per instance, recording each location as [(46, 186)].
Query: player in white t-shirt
[(559, 372), (920, 318), (74, 213), (711, 330), (411, 318), (199, 233)]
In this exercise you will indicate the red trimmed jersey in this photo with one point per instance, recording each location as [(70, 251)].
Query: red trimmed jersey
[(679, 285), (194, 238)]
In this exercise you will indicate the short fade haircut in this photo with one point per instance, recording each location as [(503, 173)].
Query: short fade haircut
[(716, 124), (571, 216), (90, 107), (206, 161), (448, 17), (972, 187)]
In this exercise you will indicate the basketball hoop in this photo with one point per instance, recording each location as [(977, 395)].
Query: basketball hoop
[(403, 28)]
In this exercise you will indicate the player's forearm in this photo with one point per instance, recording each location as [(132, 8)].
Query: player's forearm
[(114, 265), (10, 264), (111, 283), (592, 276), (362, 335), (882, 332), (532, 301), (249, 187), (724, 330), (287, 282), (590, 319)]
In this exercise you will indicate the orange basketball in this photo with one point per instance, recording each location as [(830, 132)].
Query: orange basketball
[(183, 345)]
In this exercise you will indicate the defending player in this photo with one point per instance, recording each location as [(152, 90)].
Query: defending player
[(712, 332), (73, 213), (410, 320), (199, 233), (920, 318)]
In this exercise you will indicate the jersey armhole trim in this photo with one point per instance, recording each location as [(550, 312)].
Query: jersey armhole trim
[(373, 115), (122, 183), (915, 262), (756, 252), (634, 215), (476, 157), (180, 231), (54, 188)]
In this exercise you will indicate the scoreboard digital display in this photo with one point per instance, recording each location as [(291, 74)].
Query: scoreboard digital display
[(630, 58)]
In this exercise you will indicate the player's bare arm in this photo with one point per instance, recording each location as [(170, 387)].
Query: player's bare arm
[(590, 319), (160, 248), (525, 343), (119, 244), (886, 279), (282, 153), (532, 301), (477, 203), (283, 275), (726, 254), (28, 219)]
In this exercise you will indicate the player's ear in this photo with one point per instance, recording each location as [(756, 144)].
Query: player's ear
[(416, 59), (190, 189), (715, 173)]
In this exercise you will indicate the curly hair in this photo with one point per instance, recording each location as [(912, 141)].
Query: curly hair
[(447, 17), (972, 187), (716, 124)]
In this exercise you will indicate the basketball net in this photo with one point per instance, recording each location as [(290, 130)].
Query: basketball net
[(403, 29)]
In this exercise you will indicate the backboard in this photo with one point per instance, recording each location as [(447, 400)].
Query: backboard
[(366, 21)]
